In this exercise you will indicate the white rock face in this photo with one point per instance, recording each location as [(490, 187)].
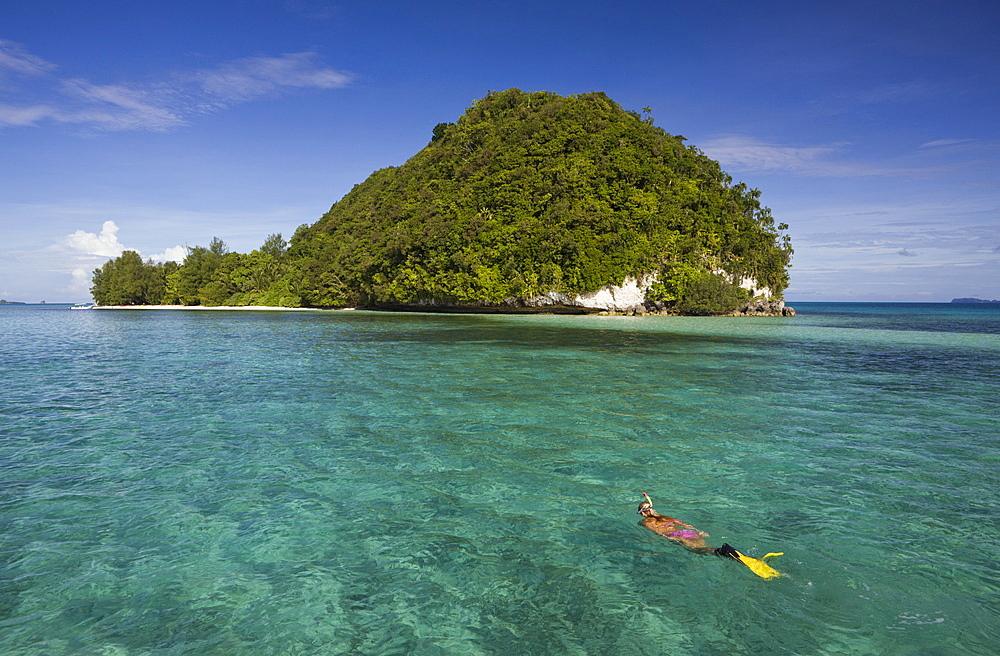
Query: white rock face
[(630, 293), (751, 284)]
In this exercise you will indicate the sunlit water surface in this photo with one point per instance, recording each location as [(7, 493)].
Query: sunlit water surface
[(217, 483)]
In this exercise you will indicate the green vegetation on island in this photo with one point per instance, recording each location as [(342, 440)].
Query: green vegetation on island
[(527, 194), (208, 276)]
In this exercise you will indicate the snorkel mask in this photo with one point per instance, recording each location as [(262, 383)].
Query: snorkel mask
[(645, 505)]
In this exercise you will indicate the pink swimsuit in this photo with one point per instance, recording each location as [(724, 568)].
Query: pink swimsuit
[(685, 533)]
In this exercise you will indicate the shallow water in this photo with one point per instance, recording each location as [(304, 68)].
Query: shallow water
[(372, 483)]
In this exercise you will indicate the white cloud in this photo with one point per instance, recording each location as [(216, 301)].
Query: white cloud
[(14, 58), (938, 143), (741, 153), (938, 249), (747, 153), (105, 244), (172, 254), (244, 79), (43, 252), (81, 280), (162, 105), (117, 107), (12, 116), (899, 92)]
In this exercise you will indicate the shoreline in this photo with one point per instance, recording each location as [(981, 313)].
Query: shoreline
[(236, 308), (638, 311)]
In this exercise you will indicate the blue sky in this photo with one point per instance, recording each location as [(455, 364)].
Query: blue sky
[(871, 128)]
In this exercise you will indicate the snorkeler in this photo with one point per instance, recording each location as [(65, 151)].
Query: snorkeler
[(674, 529), (694, 539)]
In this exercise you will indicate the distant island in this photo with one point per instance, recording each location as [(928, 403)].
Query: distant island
[(530, 201), (6, 302), (971, 300)]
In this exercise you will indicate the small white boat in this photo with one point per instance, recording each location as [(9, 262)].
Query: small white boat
[(83, 306)]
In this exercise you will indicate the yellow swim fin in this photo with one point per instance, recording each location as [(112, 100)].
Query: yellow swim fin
[(758, 566)]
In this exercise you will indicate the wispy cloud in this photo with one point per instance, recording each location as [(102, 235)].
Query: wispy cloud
[(747, 153), (117, 107), (14, 116), (15, 59), (932, 249), (882, 97), (742, 153), (974, 240), (245, 79), (163, 105), (898, 92), (938, 143)]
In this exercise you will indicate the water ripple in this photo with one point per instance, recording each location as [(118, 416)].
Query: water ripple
[(188, 483)]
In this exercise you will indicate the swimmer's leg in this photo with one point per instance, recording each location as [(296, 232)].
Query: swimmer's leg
[(697, 545)]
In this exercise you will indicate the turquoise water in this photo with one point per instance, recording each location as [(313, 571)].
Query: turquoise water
[(372, 483)]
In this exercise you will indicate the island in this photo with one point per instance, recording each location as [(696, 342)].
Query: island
[(971, 300), (528, 202), (6, 302)]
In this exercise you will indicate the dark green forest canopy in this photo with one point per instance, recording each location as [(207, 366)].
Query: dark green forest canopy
[(526, 194), (530, 193)]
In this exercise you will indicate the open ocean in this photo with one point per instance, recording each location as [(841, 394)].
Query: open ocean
[(271, 483)]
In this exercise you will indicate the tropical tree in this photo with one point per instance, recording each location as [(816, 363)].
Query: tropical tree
[(127, 280), (185, 286)]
